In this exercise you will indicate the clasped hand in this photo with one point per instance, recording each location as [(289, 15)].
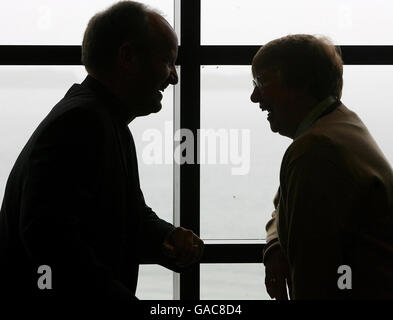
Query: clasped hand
[(184, 246)]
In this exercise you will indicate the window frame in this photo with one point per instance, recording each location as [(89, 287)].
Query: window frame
[(192, 55)]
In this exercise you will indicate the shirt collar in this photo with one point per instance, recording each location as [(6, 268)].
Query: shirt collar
[(314, 114)]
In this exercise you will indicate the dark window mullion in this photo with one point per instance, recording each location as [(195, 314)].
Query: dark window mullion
[(40, 55), (242, 55), (228, 253), (190, 119), (203, 55)]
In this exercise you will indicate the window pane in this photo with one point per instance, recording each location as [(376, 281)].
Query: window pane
[(238, 206), (28, 93), (252, 22), (56, 22), (367, 91), (233, 282), (155, 283), (237, 197), (153, 137)]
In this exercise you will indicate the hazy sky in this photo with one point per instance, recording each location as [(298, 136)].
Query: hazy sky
[(223, 21)]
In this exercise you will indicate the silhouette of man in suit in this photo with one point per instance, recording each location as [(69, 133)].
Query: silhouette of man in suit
[(73, 204)]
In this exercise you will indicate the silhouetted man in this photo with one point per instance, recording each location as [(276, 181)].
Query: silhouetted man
[(73, 206), (334, 208)]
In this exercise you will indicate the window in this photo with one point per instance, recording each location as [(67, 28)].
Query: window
[(153, 137), (229, 197), (228, 210), (233, 282), (27, 94), (250, 22), (56, 22), (154, 283), (240, 157), (367, 92)]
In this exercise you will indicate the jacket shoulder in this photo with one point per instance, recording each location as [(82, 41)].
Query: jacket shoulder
[(310, 143)]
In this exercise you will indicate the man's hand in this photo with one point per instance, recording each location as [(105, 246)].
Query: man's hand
[(184, 246), (277, 274)]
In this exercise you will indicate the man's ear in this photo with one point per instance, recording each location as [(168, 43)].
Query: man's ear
[(128, 59)]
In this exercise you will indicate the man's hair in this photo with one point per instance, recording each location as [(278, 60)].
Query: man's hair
[(109, 29), (304, 61)]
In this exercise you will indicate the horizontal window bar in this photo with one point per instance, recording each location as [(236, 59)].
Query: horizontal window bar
[(40, 55), (232, 253), (234, 241), (228, 253), (207, 55), (242, 55)]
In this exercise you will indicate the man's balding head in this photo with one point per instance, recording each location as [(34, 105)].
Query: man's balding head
[(126, 21), (132, 50), (304, 61)]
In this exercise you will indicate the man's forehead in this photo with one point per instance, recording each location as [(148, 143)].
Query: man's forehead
[(162, 29), (257, 65), (261, 67), (263, 71)]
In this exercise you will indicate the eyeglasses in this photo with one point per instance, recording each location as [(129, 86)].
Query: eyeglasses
[(258, 83)]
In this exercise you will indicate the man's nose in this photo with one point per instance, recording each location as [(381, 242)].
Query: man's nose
[(255, 95), (173, 78)]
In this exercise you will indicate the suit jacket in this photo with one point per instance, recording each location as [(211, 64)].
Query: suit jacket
[(73, 202), (336, 209)]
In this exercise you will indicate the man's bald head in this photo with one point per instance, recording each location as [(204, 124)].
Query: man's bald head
[(161, 32), (126, 21)]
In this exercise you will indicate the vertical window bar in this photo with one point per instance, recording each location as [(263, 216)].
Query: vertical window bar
[(190, 36), (176, 127)]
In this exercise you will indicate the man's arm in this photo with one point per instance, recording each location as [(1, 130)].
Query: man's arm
[(160, 241), (277, 275), (152, 233), (272, 242), (60, 189), (173, 248)]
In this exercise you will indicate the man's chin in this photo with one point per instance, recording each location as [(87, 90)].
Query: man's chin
[(273, 127), (157, 108), (146, 110)]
